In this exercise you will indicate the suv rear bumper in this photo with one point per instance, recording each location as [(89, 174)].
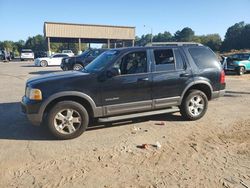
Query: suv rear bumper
[(217, 94)]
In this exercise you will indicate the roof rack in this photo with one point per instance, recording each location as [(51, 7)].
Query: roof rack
[(173, 44)]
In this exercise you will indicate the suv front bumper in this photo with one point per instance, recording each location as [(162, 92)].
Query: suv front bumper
[(31, 110)]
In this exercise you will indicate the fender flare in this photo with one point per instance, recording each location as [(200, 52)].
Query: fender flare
[(195, 83), (65, 94)]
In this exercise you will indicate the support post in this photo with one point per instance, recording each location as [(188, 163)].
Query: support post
[(133, 43), (115, 45), (79, 47), (123, 44), (89, 45), (48, 43), (108, 44)]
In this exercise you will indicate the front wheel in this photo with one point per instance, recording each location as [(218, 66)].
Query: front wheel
[(240, 70), (77, 67), (44, 63), (67, 120), (194, 105)]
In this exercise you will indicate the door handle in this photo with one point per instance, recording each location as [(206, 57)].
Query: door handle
[(143, 79), (184, 75)]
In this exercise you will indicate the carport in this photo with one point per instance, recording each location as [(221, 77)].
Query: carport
[(85, 33)]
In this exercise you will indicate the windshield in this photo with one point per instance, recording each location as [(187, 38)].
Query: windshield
[(241, 56), (84, 54), (101, 61)]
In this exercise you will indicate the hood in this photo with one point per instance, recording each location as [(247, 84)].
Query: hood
[(55, 76), (43, 58)]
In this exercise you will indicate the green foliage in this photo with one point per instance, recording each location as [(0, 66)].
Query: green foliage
[(237, 37), (185, 35), (36, 43), (143, 40), (163, 37), (212, 40)]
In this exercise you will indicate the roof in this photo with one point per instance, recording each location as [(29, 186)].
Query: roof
[(88, 31), (63, 23)]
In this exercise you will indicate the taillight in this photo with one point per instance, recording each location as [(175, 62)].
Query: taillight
[(222, 77)]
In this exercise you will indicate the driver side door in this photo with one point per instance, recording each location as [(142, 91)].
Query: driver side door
[(131, 90)]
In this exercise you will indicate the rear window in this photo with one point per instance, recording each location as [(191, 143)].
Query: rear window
[(26, 51), (204, 57)]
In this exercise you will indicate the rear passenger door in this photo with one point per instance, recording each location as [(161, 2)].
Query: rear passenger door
[(171, 74)]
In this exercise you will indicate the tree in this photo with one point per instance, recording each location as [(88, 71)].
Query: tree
[(163, 37), (143, 40), (233, 37), (185, 35), (212, 40), (36, 43)]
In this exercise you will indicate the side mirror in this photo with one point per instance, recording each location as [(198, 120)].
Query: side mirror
[(113, 72)]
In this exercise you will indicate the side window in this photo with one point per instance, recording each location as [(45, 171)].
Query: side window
[(164, 60), (204, 57), (56, 56), (179, 60), (133, 63)]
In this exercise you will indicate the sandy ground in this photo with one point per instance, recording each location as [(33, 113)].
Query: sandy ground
[(211, 152)]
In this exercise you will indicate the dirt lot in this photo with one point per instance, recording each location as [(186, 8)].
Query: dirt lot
[(211, 152)]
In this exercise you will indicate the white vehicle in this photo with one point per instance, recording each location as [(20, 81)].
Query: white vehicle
[(26, 54), (68, 52), (54, 60)]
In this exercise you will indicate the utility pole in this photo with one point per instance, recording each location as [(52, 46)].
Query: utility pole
[(151, 30)]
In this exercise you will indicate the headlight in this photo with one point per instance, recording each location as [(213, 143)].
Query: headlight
[(33, 94)]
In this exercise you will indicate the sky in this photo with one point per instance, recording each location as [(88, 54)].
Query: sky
[(23, 18)]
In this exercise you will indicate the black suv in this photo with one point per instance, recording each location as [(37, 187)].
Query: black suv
[(126, 83), (78, 62)]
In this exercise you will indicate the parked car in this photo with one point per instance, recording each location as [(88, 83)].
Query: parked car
[(240, 63), (126, 83), (55, 59), (68, 52), (78, 62), (26, 54), (40, 54)]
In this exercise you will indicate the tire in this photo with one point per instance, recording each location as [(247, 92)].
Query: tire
[(44, 63), (77, 66), (61, 117), (240, 70), (194, 105)]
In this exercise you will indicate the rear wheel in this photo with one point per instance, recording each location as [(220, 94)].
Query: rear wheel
[(241, 70), (67, 120), (77, 67), (194, 105), (44, 63)]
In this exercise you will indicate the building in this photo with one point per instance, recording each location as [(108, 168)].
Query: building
[(86, 33)]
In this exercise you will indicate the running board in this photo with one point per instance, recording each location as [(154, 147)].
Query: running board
[(136, 115)]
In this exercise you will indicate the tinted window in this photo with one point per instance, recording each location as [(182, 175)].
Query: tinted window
[(133, 63), (179, 60), (101, 61), (95, 53), (60, 55), (26, 51), (164, 60), (241, 56), (204, 57)]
